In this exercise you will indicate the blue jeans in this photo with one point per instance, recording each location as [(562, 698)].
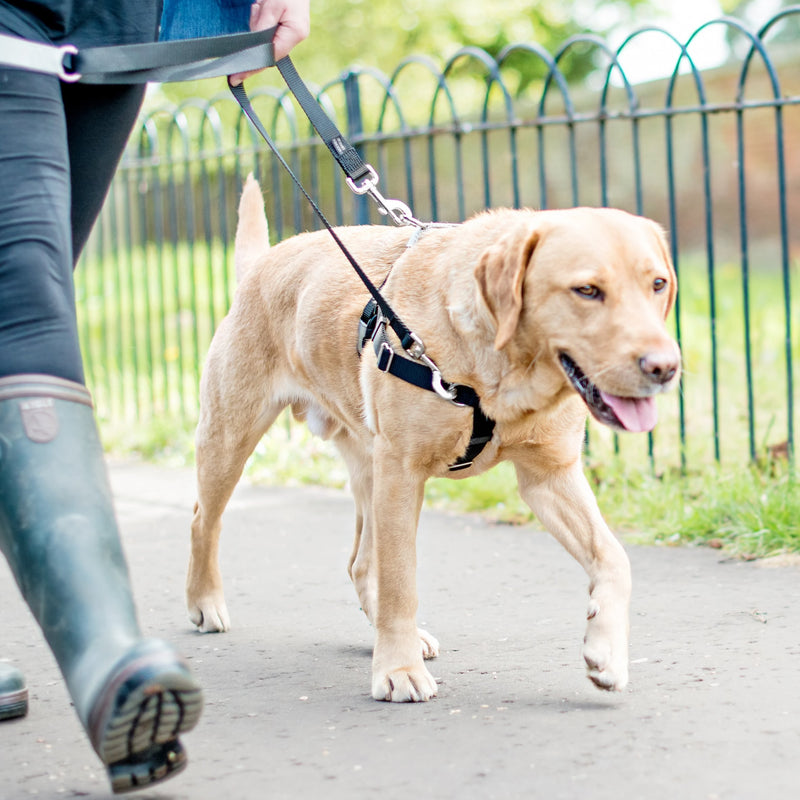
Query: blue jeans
[(181, 19)]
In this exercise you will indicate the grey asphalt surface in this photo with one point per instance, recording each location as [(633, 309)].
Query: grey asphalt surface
[(712, 710)]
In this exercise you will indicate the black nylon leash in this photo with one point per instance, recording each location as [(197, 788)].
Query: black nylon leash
[(345, 154)]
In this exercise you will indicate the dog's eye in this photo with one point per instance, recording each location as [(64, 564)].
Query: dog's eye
[(659, 284), (592, 292)]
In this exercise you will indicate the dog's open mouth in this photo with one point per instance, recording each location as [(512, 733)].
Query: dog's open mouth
[(634, 414)]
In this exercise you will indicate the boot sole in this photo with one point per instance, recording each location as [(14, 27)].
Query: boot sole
[(135, 722)]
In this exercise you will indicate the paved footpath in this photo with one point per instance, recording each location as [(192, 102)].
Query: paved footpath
[(712, 711)]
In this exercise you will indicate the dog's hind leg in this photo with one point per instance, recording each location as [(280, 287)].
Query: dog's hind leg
[(226, 436), (566, 506), (359, 465), (361, 566)]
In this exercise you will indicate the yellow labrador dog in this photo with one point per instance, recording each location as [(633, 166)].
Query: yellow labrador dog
[(544, 314)]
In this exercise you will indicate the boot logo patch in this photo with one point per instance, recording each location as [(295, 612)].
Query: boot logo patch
[(39, 419)]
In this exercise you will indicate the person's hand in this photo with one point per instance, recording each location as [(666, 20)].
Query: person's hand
[(293, 20)]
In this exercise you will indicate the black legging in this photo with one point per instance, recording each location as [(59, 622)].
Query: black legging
[(59, 147)]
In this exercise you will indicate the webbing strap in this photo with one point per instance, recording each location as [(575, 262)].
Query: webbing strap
[(422, 376), (181, 60), (345, 154)]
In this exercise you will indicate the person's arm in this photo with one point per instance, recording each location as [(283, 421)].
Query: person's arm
[(293, 20)]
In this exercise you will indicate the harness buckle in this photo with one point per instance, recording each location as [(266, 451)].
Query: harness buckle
[(367, 324), (385, 357)]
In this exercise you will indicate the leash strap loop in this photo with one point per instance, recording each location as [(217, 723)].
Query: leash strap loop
[(163, 62)]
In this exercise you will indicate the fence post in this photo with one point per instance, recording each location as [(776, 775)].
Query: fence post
[(355, 130)]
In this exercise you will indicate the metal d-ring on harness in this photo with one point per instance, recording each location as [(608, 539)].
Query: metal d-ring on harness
[(193, 59), (419, 369)]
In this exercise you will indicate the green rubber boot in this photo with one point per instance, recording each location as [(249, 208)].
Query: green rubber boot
[(13, 694), (59, 534)]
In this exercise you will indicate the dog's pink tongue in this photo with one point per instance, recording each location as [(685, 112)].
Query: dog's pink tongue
[(637, 414)]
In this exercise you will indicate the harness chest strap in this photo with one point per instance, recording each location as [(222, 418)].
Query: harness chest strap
[(372, 326)]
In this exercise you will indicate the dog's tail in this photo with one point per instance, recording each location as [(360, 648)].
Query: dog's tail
[(252, 232)]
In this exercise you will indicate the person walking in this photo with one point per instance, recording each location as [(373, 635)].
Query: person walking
[(60, 144)]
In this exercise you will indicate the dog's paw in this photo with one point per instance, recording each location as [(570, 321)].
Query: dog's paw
[(404, 686), (605, 650), (430, 644), (210, 615)]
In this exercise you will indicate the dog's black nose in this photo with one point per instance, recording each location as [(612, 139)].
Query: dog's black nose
[(659, 367)]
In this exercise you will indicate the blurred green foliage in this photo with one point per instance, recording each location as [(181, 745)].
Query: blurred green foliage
[(381, 33)]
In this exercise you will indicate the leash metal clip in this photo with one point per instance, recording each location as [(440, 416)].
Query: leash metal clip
[(396, 210), (417, 351), (436, 382)]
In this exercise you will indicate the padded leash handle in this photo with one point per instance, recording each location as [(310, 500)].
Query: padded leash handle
[(162, 62)]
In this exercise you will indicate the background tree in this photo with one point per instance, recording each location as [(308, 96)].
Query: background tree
[(756, 12), (381, 33)]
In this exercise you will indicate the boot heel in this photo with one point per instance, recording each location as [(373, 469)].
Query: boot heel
[(153, 765), (134, 725)]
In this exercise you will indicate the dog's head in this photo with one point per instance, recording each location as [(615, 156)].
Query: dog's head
[(587, 290)]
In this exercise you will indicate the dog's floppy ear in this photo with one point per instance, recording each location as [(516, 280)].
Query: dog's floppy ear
[(500, 275)]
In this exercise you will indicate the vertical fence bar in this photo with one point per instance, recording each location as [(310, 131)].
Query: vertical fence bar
[(355, 131), (745, 268)]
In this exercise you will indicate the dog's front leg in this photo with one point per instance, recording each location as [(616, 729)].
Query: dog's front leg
[(361, 567), (398, 669), (566, 506)]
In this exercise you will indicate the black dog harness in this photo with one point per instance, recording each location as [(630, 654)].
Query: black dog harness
[(426, 375)]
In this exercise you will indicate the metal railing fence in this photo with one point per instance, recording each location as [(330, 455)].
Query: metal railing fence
[(707, 153)]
